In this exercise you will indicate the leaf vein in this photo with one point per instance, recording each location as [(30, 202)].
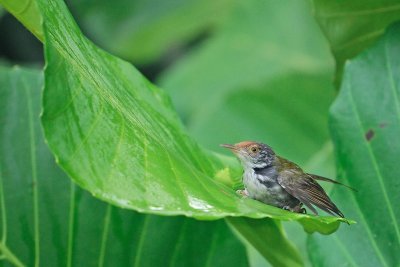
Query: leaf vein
[(178, 243), (104, 235), (71, 218), (211, 248), (3, 211), (32, 148), (87, 136), (141, 241), (344, 250)]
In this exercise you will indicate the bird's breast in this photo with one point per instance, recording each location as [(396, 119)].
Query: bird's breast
[(265, 189)]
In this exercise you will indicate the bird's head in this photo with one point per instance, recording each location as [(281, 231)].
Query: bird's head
[(252, 154)]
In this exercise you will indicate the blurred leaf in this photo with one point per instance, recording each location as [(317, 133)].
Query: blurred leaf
[(258, 42), (26, 11), (278, 251), (365, 128), (280, 90), (144, 30), (283, 110), (351, 26), (46, 219)]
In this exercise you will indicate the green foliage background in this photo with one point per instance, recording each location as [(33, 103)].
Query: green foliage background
[(258, 70)]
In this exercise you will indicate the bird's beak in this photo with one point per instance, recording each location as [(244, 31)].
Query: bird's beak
[(233, 148)]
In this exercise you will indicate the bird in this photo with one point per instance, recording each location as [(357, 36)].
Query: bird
[(279, 182)]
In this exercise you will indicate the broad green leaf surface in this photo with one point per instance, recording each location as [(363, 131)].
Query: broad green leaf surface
[(141, 30), (47, 221), (116, 135), (278, 251), (255, 258), (365, 128), (351, 26), (26, 11)]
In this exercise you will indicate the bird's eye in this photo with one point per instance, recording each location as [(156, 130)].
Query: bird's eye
[(254, 149)]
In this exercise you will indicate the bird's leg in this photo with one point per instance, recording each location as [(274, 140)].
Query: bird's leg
[(299, 209), (243, 192)]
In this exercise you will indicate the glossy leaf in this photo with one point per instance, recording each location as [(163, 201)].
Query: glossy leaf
[(47, 221), (142, 30), (117, 136), (351, 26), (365, 128)]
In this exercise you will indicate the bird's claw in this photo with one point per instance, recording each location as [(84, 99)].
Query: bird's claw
[(297, 209), (242, 193)]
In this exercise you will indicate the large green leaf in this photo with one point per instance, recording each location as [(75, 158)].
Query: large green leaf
[(351, 26), (278, 250), (46, 220), (243, 54), (365, 129), (117, 136), (144, 30), (279, 89), (282, 109)]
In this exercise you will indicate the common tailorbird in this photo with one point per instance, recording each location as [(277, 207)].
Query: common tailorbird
[(279, 182)]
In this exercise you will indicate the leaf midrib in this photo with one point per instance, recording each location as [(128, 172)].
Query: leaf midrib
[(4, 250), (32, 148)]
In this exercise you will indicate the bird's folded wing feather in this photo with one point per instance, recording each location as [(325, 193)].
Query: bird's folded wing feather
[(304, 188), (321, 178)]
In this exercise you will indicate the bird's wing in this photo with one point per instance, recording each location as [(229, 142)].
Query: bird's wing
[(305, 188), (321, 178)]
